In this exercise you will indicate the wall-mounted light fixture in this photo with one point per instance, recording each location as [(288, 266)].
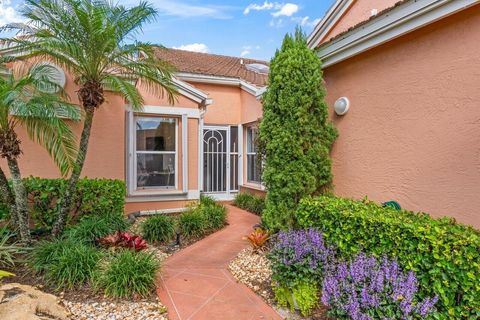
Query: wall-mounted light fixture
[(341, 106)]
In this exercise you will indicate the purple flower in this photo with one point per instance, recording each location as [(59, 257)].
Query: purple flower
[(356, 289)]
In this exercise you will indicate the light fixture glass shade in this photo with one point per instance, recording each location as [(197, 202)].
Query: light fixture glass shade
[(341, 106)]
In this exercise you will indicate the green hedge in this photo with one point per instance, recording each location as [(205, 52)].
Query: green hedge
[(250, 202), (444, 255), (93, 196)]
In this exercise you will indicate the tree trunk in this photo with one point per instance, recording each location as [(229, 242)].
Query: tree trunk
[(77, 170), (8, 197), (21, 201)]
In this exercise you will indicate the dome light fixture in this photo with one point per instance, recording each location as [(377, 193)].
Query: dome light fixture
[(341, 106)]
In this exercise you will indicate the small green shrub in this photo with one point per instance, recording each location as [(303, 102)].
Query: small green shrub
[(128, 273), (92, 197), (192, 223), (444, 255), (207, 201), (65, 263), (159, 228), (92, 228), (8, 249), (250, 202), (304, 296), (215, 216)]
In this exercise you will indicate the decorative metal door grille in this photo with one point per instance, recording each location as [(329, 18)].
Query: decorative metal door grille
[(220, 159), (215, 158)]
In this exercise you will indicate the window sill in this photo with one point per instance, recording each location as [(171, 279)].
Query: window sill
[(255, 186), (156, 192), (167, 195)]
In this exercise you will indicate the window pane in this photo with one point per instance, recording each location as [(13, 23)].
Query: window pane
[(250, 147), (155, 170), (233, 139), (254, 170), (155, 134)]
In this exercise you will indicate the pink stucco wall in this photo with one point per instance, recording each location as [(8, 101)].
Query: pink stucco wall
[(359, 10), (413, 131)]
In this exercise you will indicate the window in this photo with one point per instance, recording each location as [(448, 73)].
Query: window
[(156, 152), (254, 167)]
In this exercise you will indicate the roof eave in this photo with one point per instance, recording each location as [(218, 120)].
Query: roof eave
[(401, 20)]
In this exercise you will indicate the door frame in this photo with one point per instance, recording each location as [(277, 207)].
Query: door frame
[(229, 193)]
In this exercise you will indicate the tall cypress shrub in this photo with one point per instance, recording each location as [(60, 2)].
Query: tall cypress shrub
[(295, 134)]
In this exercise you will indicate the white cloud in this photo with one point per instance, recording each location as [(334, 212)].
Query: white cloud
[(306, 21), (195, 47), (245, 52), (288, 9), (8, 14), (185, 10), (276, 23), (260, 7)]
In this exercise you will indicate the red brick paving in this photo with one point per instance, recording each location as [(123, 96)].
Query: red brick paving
[(196, 284)]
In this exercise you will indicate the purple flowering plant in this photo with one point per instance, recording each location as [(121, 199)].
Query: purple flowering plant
[(370, 288), (299, 256)]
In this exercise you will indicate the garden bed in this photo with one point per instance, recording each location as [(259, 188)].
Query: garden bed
[(254, 270)]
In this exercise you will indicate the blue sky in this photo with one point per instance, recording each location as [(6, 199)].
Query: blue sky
[(248, 28)]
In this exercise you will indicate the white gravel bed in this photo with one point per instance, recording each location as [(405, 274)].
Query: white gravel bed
[(126, 310), (253, 270)]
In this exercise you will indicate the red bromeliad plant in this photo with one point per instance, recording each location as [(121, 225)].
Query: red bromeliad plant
[(258, 238), (123, 239)]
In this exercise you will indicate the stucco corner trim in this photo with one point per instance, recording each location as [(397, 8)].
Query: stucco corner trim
[(393, 24)]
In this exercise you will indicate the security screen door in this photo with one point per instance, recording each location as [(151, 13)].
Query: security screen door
[(220, 159)]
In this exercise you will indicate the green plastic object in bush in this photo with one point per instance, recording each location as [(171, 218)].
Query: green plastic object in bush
[(444, 255), (92, 197), (251, 203)]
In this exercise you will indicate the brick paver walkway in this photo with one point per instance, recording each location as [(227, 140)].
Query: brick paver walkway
[(197, 285)]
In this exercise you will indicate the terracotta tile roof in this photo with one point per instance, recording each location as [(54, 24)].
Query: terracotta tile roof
[(213, 65)]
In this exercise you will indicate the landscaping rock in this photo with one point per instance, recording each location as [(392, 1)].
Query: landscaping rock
[(23, 302)]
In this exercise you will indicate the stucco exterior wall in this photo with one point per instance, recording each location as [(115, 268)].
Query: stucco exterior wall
[(227, 104), (252, 109), (413, 131), (360, 10)]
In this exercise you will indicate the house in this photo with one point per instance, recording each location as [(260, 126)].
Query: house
[(411, 73), (170, 154)]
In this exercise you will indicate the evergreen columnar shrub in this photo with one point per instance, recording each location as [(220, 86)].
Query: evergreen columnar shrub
[(127, 274), (159, 228), (92, 228), (367, 288), (250, 202), (445, 256), (65, 263), (295, 132), (93, 197)]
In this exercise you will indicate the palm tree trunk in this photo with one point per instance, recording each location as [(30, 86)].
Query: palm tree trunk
[(77, 170), (8, 198), (21, 201)]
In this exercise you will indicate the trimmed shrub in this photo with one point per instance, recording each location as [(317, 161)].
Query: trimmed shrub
[(444, 255), (92, 197), (65, 263), (127, 274), (92, 228), (192, 223), (296, 134), (215, 215), (159, 228), (303, 295), (250, 202)]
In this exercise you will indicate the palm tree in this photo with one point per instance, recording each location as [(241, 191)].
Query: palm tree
[(92, 40), (25, 101)]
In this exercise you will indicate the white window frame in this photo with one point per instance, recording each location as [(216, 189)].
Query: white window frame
[(249, 153), (136, 153), (183, 114)]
